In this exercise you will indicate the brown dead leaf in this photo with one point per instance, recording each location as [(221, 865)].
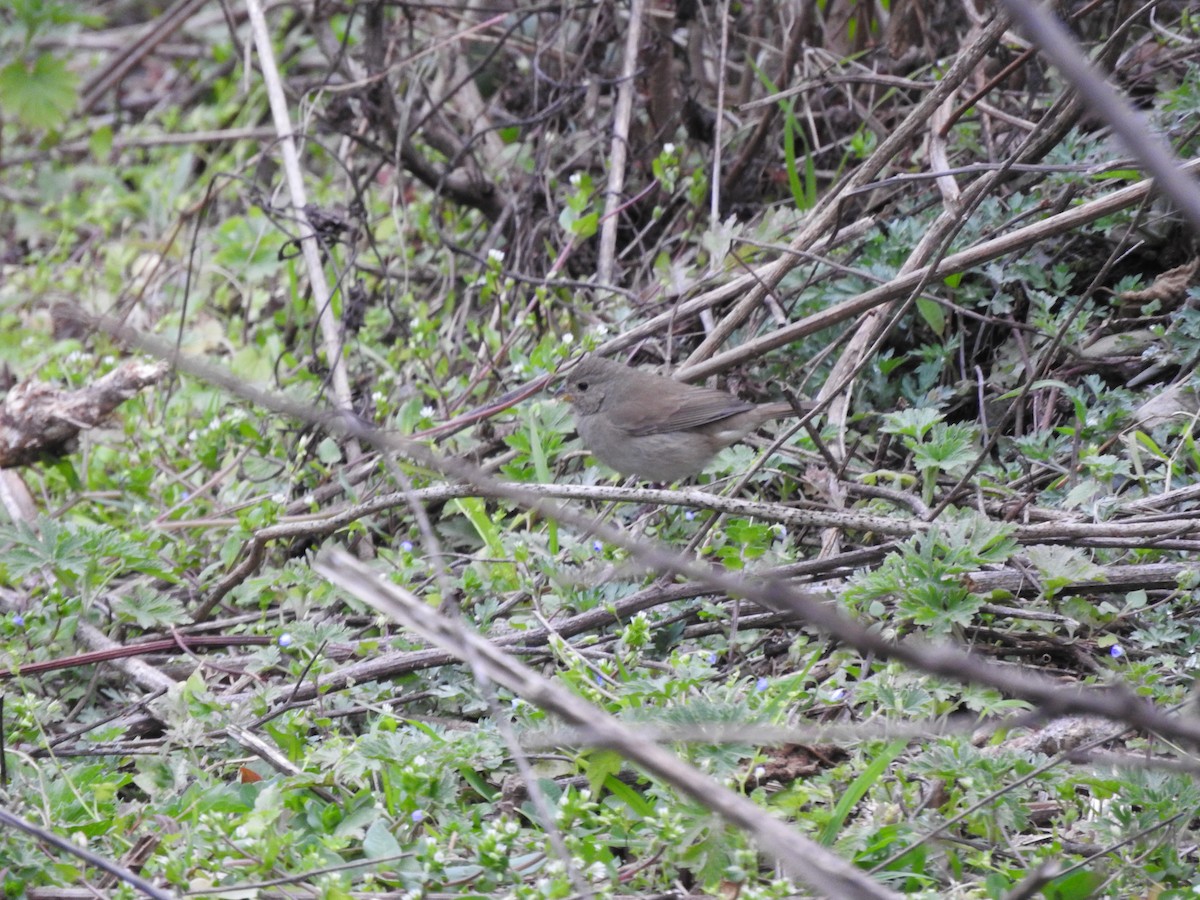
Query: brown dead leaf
[(1169, 288)]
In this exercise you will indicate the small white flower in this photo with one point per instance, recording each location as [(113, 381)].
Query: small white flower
[(568, 338), (496, 255)]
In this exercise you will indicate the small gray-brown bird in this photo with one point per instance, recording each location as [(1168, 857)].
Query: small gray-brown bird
[(653, 426)]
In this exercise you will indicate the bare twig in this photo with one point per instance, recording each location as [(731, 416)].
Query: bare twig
[(620, 145)]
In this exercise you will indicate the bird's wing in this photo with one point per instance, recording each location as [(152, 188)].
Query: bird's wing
[(691, 410)]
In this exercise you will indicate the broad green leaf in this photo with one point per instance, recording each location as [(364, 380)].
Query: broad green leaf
[(380, 842), (40, 95), (933, 314), (1060, 566)]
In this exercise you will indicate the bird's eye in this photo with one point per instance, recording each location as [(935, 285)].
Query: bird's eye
[(581, 385)]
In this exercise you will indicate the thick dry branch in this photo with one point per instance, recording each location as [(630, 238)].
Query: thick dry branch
[(38, 420), (1110, 579)]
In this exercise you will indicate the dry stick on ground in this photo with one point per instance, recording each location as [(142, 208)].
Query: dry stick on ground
[(310, 527), (39, 420), (114, 651), (803, 859), (398, 663), (824, 217)]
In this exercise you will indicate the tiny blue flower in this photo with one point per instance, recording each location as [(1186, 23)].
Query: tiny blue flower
[(762, 684), (18, 620), (1115, 651), (712, 659), (406, 546), (417, 815), (285, 640), (690, 514), (597, 546)]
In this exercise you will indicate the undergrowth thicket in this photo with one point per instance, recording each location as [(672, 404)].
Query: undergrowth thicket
[(1013, 472)]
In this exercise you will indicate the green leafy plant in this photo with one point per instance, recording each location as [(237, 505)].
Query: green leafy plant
[(37, 87), (923, 581), (579, 218), (938, 448)]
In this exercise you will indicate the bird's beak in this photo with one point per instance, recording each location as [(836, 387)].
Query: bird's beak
[(563, 391)]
